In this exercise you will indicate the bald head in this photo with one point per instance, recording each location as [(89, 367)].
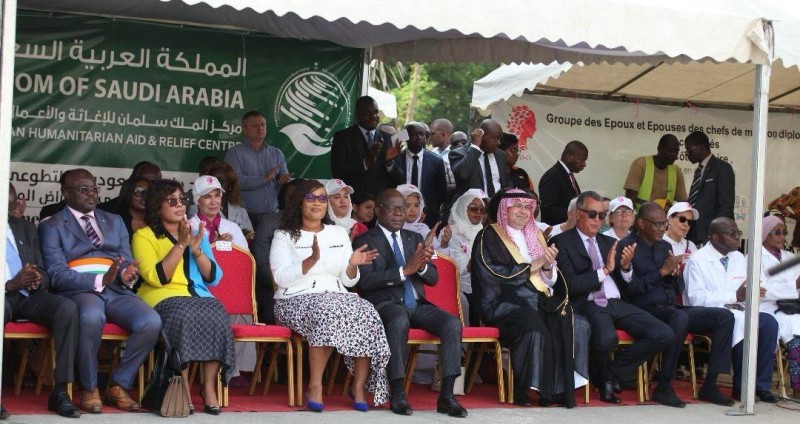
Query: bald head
[(390, 209), (492, 131), (649, 210), (386, 195), (724, 235), (722, 223), (441, 131)]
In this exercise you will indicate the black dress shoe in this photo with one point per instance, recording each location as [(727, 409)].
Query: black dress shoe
[(713, 395), (522, 400), (399, 404), (450, 406), (767, 396), (607, 393), (60, 403), (665, 395), (617, 387), (3, 413)]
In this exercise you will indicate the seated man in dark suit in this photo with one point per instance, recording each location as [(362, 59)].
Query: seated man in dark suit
[(653, 286), (360, 153), (27, 298), (587, 261), (394, 284), (87, 255), (558, 184), (423, 169)]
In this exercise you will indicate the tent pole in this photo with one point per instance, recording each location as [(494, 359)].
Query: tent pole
[(760, 110), (8, 30), (365, 71)]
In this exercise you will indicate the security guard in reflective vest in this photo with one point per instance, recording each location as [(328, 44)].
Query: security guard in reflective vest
[(657, 178)]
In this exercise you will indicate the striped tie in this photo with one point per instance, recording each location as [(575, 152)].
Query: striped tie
[(694, 191), (87, 226)]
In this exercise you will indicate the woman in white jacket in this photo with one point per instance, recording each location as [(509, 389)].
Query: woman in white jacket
[(782, 286)]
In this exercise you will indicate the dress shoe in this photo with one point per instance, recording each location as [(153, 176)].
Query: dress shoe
[(713, 395), (3, 413), (607, 393), (118, 397), (665, 395), (61, 404), (358, 406), (522, 400), (216, 410), (90, 401), (450, 406), (767, 396), (399, 404)]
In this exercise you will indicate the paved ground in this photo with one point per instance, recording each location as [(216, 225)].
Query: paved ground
[(699, 413)]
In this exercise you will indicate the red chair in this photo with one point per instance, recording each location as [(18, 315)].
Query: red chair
[(446, 294), (27, 331), (236, 291)]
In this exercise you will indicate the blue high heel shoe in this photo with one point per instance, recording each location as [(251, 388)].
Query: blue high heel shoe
[(358, 406), (313, 406)]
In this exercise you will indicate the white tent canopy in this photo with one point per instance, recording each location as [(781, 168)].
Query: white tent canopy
[(387, 102)]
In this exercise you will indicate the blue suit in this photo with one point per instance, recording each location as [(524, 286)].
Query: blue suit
[(433, 183), (63, 240)]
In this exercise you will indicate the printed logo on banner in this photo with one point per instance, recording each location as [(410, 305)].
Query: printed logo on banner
[(522, 123), (311, 104)]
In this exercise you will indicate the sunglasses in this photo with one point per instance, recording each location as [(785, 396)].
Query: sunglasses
[(477, 209), (310, 197), (683, 220), (139, 191), (779, 233), (595, 214), (86, 189), (174, 201), (731, 233)]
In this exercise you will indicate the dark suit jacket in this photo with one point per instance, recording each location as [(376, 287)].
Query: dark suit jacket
[(555, 190), (28, 248), (576, 266), (716, 197), (380, 281), (433, 183), (348, 152), (467, 167), (64, 240)]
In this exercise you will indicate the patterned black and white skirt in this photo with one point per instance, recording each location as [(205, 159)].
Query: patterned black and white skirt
[(348, 323), (200, 329)]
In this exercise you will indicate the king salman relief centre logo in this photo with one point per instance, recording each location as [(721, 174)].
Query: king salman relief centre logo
[(311, 105)]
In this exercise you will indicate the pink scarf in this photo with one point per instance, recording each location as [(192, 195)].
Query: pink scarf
[(212, 226)]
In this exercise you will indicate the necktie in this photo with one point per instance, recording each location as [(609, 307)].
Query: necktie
[(408, 288), (724, 261), (369, 139), (87, 226), (600, 295), (14, 261), (415, 172), (487, 171), (574, 184), (694, 190)]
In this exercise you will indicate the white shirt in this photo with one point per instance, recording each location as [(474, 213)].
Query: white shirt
[(609, 286), (445, 155), (492, 166), (225, 226), (410, 166), (13, 240), (680, 247)]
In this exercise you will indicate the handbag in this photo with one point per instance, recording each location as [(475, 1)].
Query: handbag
[(166, 392), (788, 306)]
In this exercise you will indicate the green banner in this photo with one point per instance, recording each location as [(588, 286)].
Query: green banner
[(97, 92)]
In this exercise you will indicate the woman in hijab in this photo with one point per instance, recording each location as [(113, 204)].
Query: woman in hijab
[(415, 219), (466, 220), (340, 208), (782, 286)]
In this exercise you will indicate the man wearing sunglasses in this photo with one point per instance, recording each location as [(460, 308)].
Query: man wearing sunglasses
[(654, 286), (88, 257), (716, 276), (587, 261)]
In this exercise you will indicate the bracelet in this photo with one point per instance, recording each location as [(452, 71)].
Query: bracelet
[(547, 269)]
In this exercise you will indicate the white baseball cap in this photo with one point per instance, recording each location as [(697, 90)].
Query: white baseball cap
[(617, 202), (205, 184), (683, 207), (336, 185)]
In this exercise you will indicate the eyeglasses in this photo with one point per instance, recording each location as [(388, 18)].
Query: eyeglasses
[(623, 212), (659, 225), (86, 189), (139, 191), (526, 206), (477, 209), (394, 209), (779, 233), (732, 233), (683, 220), (595, 214), (173, 201), (310, 197)]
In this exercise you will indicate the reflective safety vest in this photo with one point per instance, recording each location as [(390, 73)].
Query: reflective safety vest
[(646, 188)]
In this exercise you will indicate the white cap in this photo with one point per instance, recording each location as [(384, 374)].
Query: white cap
[(205, 184), (616, 203), (336, 185), (683, 207)]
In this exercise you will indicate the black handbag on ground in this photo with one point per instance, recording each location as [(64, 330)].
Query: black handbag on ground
[(166, 393), (788, 306)]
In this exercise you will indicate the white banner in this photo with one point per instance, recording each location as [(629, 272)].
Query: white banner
[(617, 133)]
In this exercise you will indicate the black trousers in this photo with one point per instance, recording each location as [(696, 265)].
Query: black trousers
[(702, 320), (57, 313), (397, 319), (651, 335)]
